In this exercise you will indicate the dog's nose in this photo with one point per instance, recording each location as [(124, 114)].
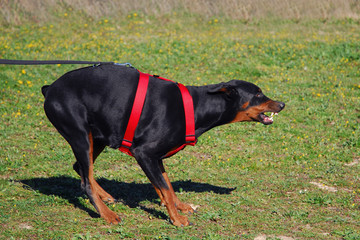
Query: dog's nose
[(281, 105)]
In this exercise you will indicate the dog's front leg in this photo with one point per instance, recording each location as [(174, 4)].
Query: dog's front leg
[(165, 191), (183, 207)]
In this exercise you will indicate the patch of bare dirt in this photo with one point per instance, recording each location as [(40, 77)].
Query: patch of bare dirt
[(324, 187), (353, 163), (264, 237)]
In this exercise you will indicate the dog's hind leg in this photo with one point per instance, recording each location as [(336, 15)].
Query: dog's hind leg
[(90, 186), (84, 152), (97, 149), (72, 125)]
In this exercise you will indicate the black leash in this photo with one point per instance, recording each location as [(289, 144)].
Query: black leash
[(46, 62)]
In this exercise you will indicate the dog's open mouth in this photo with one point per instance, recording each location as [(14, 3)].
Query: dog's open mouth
[(264, 119)]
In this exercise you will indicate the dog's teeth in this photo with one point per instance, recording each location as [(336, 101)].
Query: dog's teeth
[(271, 116)]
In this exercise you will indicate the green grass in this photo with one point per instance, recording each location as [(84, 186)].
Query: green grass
[(248, 179)]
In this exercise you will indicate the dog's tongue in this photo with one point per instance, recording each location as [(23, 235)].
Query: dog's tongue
[(267, 120)]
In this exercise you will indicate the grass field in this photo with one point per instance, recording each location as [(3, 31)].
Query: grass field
[(297, 178)]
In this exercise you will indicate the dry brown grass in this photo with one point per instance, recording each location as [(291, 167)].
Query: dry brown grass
[(18, 11)]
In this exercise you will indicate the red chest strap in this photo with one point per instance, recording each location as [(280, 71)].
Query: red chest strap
[(190, 138), (135, 113), (136, 110)]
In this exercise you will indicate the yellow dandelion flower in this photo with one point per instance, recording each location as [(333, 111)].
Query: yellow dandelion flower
[(23, 71)]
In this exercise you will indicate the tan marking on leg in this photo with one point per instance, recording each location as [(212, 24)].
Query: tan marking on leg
[(175, 217), (105, 196), (183, 207), (162, 200), (104, 211)]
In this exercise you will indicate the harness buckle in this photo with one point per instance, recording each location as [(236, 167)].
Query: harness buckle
[(124, 64), (190, 139), (125, 143)]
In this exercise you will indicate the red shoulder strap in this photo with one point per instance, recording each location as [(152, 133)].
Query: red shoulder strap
[(135, 113)]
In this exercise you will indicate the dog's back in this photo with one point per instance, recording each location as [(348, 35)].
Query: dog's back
[(102, 98)]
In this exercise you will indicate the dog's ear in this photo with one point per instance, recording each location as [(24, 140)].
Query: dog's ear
[(222, 88)]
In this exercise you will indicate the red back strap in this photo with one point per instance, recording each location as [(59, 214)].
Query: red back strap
[(190, 138)]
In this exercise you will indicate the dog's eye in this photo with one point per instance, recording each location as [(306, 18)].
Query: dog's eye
[(259, 93)]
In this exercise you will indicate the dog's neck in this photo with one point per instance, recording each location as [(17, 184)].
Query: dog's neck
[(210, 110)]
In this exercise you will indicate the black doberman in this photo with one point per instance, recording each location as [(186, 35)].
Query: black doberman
[(90, 108)]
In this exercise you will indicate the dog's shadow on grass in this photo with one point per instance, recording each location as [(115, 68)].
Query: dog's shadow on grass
[(130, 194)]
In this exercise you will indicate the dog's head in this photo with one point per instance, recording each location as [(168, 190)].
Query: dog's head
[(250, 102)]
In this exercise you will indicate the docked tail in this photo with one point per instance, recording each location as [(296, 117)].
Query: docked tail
[(44, 89)]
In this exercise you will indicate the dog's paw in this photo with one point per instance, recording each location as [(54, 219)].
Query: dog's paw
[(111, 217), (180, 221), (186, 208)]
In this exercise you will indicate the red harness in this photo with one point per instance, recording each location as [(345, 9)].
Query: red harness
[(138, 104)]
